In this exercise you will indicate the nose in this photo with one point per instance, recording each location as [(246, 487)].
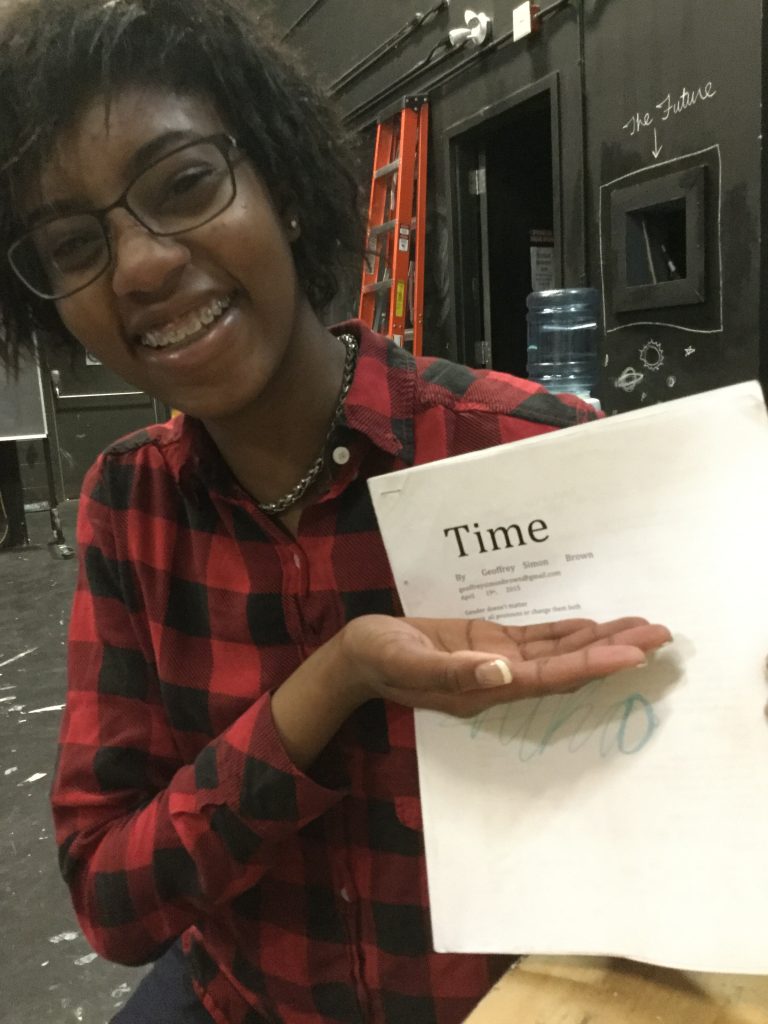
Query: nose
[(143, 262)]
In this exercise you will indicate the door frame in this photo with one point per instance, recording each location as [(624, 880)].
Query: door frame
[(457, 141)]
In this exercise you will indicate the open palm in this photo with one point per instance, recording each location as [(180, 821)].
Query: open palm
[(463, 666)]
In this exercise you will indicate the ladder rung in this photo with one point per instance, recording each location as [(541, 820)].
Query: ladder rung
[(383, 229), (387, 169), (392, 286)]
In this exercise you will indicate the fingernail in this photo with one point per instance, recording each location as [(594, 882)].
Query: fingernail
[(494, 673)]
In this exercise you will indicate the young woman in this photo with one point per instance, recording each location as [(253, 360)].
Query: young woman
[(237, 766)]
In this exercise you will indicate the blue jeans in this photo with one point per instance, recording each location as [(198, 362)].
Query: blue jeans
[(165, 995)]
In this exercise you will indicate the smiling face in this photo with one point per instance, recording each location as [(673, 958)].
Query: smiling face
[(203, 320)]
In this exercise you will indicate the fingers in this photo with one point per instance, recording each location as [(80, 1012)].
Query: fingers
[(545, 631), (436, 674), (629, 631), (469, 687), (483, 635), (648, 637), (568, 671), (558, 673)]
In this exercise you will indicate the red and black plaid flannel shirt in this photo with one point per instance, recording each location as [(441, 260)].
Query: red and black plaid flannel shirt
[(301, 898)]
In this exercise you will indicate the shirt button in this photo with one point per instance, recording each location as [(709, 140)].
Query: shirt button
[(344, 893), (297, 561), (341, 455)]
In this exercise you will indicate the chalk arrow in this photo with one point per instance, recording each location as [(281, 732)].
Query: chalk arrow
[(656, 147)]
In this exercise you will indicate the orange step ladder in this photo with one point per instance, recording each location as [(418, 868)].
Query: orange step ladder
[(392, 290)]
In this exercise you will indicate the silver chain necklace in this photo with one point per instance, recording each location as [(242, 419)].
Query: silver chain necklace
[(274, 508)]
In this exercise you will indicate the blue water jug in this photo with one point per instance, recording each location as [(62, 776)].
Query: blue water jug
[(562, 339)]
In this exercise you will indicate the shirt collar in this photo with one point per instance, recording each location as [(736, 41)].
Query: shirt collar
[(380, 403)]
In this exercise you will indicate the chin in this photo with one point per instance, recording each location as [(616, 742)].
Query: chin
[(210, 407)]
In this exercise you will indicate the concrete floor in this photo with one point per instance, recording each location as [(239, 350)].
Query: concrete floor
[(48, 971)]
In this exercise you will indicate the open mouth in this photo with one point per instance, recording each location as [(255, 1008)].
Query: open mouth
[(190, 327)]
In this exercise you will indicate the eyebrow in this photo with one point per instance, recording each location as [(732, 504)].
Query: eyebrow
[(139, 161), (145, 154)]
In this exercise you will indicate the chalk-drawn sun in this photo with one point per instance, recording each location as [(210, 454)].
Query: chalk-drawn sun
[(652, 355)]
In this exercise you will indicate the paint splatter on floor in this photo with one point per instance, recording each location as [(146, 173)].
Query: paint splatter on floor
[(50, 975)]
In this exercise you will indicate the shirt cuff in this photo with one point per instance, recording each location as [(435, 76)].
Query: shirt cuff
[(254, 775)]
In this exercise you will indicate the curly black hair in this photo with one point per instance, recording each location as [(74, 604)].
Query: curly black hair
[(56, 55)]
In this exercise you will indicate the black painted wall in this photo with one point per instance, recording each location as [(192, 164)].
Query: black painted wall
[(339, 33), (698, 55), (612, 60)]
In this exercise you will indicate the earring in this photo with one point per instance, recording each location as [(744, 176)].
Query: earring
[(294, 223)]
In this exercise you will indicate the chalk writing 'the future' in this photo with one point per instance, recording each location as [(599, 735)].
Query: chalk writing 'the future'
[(670, 106), (496, 538)]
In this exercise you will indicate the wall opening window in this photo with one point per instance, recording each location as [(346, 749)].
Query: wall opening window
[(656, 243)]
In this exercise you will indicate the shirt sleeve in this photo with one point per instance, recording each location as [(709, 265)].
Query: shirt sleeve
[(149, 845)]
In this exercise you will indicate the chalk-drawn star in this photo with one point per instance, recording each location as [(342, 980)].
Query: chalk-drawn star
[(690, 350)]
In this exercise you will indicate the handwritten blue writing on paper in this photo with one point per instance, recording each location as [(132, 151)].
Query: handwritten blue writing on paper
[(572, 722)]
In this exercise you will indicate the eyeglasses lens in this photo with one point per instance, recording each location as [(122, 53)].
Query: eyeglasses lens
[(182, 191)]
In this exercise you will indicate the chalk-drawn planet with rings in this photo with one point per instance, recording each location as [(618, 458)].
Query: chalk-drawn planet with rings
[(629, 379)]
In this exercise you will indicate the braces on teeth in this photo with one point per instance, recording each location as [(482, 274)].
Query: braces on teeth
[(190, 325)]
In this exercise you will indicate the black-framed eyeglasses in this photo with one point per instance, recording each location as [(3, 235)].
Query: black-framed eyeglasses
[(178, 192)]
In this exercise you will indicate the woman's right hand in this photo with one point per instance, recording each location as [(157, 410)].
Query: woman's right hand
[(462, 666), (457, 666)]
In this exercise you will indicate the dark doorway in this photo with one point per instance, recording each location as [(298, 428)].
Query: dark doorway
[(506, 225)]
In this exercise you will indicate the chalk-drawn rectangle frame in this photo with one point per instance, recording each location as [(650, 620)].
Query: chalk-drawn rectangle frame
[(715, 249)]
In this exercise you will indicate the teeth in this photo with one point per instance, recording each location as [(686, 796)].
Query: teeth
[(189, 325)]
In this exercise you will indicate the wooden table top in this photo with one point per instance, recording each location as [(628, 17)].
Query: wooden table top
[(601, 990)]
